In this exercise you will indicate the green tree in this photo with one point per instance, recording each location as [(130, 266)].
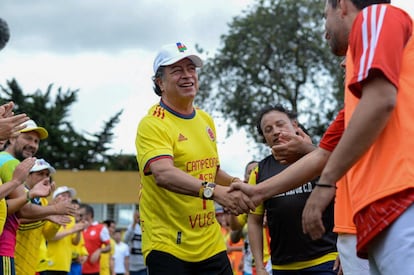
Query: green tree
[(65, 147), (275, 52), (122, 163)]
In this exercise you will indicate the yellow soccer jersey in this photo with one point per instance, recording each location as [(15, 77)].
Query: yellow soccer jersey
[(79, 249), (242, 218), (252, 181), (28, 240), (105, 260), (43, 261), (59, 252), (3, 214), (181, 225)]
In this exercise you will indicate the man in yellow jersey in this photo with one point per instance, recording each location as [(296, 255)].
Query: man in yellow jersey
[(59, 248), (31, 233), (79, 252), (181, 174), (106, 260)]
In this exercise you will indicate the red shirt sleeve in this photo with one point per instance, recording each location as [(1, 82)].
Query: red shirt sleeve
[(377, 40), (334, 132)]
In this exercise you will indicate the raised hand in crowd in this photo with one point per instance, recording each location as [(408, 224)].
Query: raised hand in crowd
[(41, 189), (65, 207), (59, 219), (10, 124), (22, 170)]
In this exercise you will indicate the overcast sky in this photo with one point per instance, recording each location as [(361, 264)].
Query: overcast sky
[(105, 49)]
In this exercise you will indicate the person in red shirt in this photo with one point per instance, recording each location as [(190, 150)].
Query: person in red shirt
[(97, 240)]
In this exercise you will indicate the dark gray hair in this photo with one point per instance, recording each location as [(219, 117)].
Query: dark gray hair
[(158, 74)]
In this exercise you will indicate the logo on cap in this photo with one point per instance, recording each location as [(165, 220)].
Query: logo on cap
[(181, 47)]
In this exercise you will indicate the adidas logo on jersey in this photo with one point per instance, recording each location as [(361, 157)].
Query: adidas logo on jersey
[(181, 137)]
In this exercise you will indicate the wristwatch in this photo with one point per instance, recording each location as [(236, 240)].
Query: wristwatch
[(201, 191), (208, 191)]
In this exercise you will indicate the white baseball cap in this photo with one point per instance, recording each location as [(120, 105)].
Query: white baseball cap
[(172, 53), (63, 189), (41, 164)]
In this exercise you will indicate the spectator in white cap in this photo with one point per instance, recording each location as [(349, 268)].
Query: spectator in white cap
[(179, 167), (41, 170), (64, 191), (32, 232)]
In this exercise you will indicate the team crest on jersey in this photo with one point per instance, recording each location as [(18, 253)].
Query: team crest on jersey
[(210, 133)]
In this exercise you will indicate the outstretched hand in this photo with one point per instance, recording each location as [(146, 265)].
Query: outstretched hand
[(235, 201), (249, 194), (59, 219), (64, 206)]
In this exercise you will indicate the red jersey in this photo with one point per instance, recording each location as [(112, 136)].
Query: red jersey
[(94, 236)]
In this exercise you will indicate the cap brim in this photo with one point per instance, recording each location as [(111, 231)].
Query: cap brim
[(50, 168), (198, 62), (70, 190), (40, 130)]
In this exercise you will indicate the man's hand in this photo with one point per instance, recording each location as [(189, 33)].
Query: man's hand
[(235, 201), (95, 256), (80, 226), (337, 266), (65, 207), (312, 213), (10, 124), (22, 170), (292, 147), (249, 191), (41, 189), (59, 219)]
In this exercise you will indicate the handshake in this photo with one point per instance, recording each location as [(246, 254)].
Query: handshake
[(239, 197)]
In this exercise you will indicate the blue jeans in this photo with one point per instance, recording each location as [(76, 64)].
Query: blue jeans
[(322, 269), (75, 269)]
